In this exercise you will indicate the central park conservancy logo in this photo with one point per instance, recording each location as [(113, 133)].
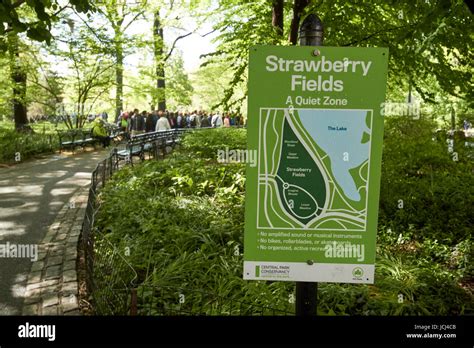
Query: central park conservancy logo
[(273, 271), (345, 250)]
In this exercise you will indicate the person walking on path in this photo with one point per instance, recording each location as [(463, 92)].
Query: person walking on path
[(137, 123), (163, 123), (205, 121), (226, 121), (149, 124), (216, 120)]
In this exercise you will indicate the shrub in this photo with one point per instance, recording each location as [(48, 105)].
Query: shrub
[(435, 190), (26, 144), (183, 220)]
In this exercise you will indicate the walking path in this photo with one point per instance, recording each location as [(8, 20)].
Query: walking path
[(31, 196)]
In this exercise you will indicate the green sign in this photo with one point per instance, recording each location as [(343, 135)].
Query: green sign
[(315, 125)]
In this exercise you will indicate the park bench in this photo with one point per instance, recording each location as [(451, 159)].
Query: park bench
[(152, 143), (72, 138), (116, 134)]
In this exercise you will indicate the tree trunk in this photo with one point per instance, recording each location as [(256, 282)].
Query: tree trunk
[(298, 8), (18, 77), (277, 17), (160, 64), (453, 118), (118, 73)]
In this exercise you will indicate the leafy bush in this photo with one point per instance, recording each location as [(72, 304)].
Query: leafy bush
[(183, 220), (26, 144), (206, 142), (434, 189)]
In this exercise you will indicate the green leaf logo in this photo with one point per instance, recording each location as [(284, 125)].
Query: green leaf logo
[(357, 272)]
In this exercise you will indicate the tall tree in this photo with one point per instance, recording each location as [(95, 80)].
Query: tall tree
[(91, 71), (35, 18), (278, 16), (166, 14), (120, 14), (298, 8), (158, 46), (18, 77)]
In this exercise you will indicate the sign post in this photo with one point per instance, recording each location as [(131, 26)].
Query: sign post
[(316, 125), (311, 33)]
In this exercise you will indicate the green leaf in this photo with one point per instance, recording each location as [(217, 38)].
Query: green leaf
[(38, 34)]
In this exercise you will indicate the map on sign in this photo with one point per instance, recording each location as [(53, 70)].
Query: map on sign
[(313, 169)]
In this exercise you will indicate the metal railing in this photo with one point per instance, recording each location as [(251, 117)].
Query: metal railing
[(106, 268), (111, 280)]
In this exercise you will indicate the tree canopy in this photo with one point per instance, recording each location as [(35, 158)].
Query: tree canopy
[(34, 17), (52, 46)]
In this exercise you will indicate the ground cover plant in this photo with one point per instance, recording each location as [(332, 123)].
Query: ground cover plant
[(181, 221), (42, 140)]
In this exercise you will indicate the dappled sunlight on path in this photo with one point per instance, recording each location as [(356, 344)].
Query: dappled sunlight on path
[(31, 194)]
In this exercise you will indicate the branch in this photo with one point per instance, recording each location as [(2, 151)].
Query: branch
[(184, 36), (174, 44), (133, 20), (18, 3), (99, 94), (91, 29), (374, 34), (60, 10), (43, 103), (209, 33), (47, 88)]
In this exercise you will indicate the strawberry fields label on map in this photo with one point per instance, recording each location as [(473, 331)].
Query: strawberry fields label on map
[(314, 120)]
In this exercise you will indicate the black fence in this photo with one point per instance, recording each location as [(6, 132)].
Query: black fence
[(106, 268), (111, 280)]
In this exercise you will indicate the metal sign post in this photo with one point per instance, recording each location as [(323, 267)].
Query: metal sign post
[(311, 34)]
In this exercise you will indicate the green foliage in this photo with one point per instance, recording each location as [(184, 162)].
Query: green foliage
[(235, 39), (92, 73), (43, 14), (183, 220), (43, 140), (207, 142), (178, 87), (433, 188), (210, 83), (429, 41)]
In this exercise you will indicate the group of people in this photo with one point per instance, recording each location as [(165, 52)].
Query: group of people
[(136, 122)]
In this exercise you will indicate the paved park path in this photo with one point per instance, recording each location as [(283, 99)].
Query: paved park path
[(31, 195)]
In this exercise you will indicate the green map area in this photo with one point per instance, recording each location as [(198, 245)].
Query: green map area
[(313, 168), (301, 189)]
